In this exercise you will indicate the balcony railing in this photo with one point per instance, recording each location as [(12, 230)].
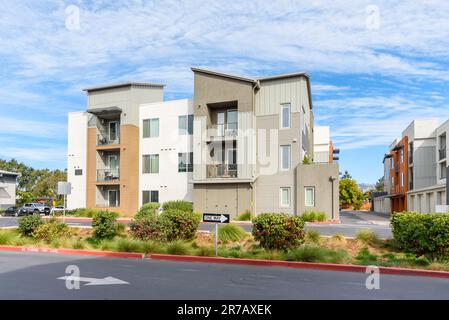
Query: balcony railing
[(221, 131), (108, 175), (442, 154), (221, 171), (104, 140)]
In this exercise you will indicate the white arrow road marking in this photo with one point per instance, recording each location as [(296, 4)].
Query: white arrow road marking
[(223, 218), (95, 281)]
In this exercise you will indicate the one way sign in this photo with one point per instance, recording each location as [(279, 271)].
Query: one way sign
[(216, 217)]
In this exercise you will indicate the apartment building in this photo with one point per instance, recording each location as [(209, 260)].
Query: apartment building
[(238, 145), (409, 168), (8, 181), (250, 138), (323, 149)]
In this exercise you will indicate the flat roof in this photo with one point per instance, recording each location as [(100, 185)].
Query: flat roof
[(123, 84), (9, 172)]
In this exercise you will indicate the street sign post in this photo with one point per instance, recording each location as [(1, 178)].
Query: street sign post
[(216, 218), (64, 188)]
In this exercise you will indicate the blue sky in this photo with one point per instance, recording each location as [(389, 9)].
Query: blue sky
[(370, 77)]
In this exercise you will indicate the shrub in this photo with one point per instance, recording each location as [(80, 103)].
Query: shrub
[(367, 237), (178, 205), (148, 228), (310, 216), (51, 231), (28, 224), (358, 204), (313, 253), (178, 247), (278, 230), (206, 251), (231, 232), (103, 224), (120, 228), (148, 210), (178, 224), (244, 216), (78, 244), (128, 245), (422, 234), (364, 256), (6, 237), (313, 236)]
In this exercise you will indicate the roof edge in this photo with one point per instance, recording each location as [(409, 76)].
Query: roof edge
[(122, 84), (221, 74)]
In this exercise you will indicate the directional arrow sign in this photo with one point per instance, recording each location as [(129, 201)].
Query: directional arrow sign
[(216, 217), (95, 281)]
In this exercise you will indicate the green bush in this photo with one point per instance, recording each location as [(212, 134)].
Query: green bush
[(148, 210), (178, 224), (367, 237), (51, 231), (28, 224), (148, 228), (358, 204), (231, 232), (310, 216), (364, 256), (120, 228), (205, 251), (178, 205), (278, 230), (128, 245), (244, 216), (6, 237), (313, 253), (103, 223), (313, 236), (178, 247), (423, 234)]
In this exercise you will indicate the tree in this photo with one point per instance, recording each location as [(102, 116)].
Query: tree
[(346, 175), (380, 185), (350, 193)]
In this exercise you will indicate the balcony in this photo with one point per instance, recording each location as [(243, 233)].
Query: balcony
[(105, 140), (108, 175), (215, 171), (220, 133), (442, 154)]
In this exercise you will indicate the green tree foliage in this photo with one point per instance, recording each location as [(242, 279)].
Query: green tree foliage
[(380, 185), (34, 183), (350, 193)]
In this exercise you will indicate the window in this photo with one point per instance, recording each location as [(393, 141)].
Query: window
[(443, 170), (232, 123), (392, 182), (150, 163), (78, 172), (402, 179), (402, 155), (114, 200), (285, 197), (185, 124), (150, 196), (185, 162), (151, 128), (285, 116), (309, 196), (392, 163), (113, 131), (285, 157), (303, 120)]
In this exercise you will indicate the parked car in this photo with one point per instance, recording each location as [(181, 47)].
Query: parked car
[(57, 209), (11, 211), (34, 208)]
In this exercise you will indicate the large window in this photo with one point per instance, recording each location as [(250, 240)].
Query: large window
[(150, 163), (402, 179), (185, 124), (285, 116), (443, 170), (309, 196), (285, 197), (402, 155), (113, 131), (150, 196), (151, 128), (285, 157), (185, 162), (232, 122)]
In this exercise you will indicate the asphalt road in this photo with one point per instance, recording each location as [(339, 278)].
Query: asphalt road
[(35, 276), (351, 223)]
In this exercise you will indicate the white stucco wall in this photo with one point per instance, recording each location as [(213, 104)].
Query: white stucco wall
[(321, 143), (171, 184), (8, 190), (76, 159)]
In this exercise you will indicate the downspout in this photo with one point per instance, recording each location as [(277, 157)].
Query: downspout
[(253, 184)]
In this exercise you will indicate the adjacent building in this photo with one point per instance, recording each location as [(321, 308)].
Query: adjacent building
[(8, 181), (415, 169), (239, 145)]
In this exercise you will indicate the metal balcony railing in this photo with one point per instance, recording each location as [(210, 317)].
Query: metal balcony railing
[(221, 171), (108, 175), (104, 140)]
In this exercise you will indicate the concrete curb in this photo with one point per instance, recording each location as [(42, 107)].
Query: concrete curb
[(323, 222), (96, 253), (303, 265), (82, 219)]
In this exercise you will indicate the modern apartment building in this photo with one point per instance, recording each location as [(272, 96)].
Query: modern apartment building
[(323, 150), (8, 182), (410, 168), (238, 145)]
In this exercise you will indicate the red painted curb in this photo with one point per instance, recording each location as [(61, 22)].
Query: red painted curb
[(303, 265), (324, 222), (97, 253)]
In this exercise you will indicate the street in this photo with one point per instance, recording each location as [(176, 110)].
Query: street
[(35, 276), (351, 222)]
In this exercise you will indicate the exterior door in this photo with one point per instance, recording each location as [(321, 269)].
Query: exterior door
[(113, 131), (220, 124), (113, 198), (113, 162)]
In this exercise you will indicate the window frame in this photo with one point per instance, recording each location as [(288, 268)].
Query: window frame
[(189, 162), (149, 156), (281, 117), (313, 196), (281, 204), (281, 157), (188, 124)]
